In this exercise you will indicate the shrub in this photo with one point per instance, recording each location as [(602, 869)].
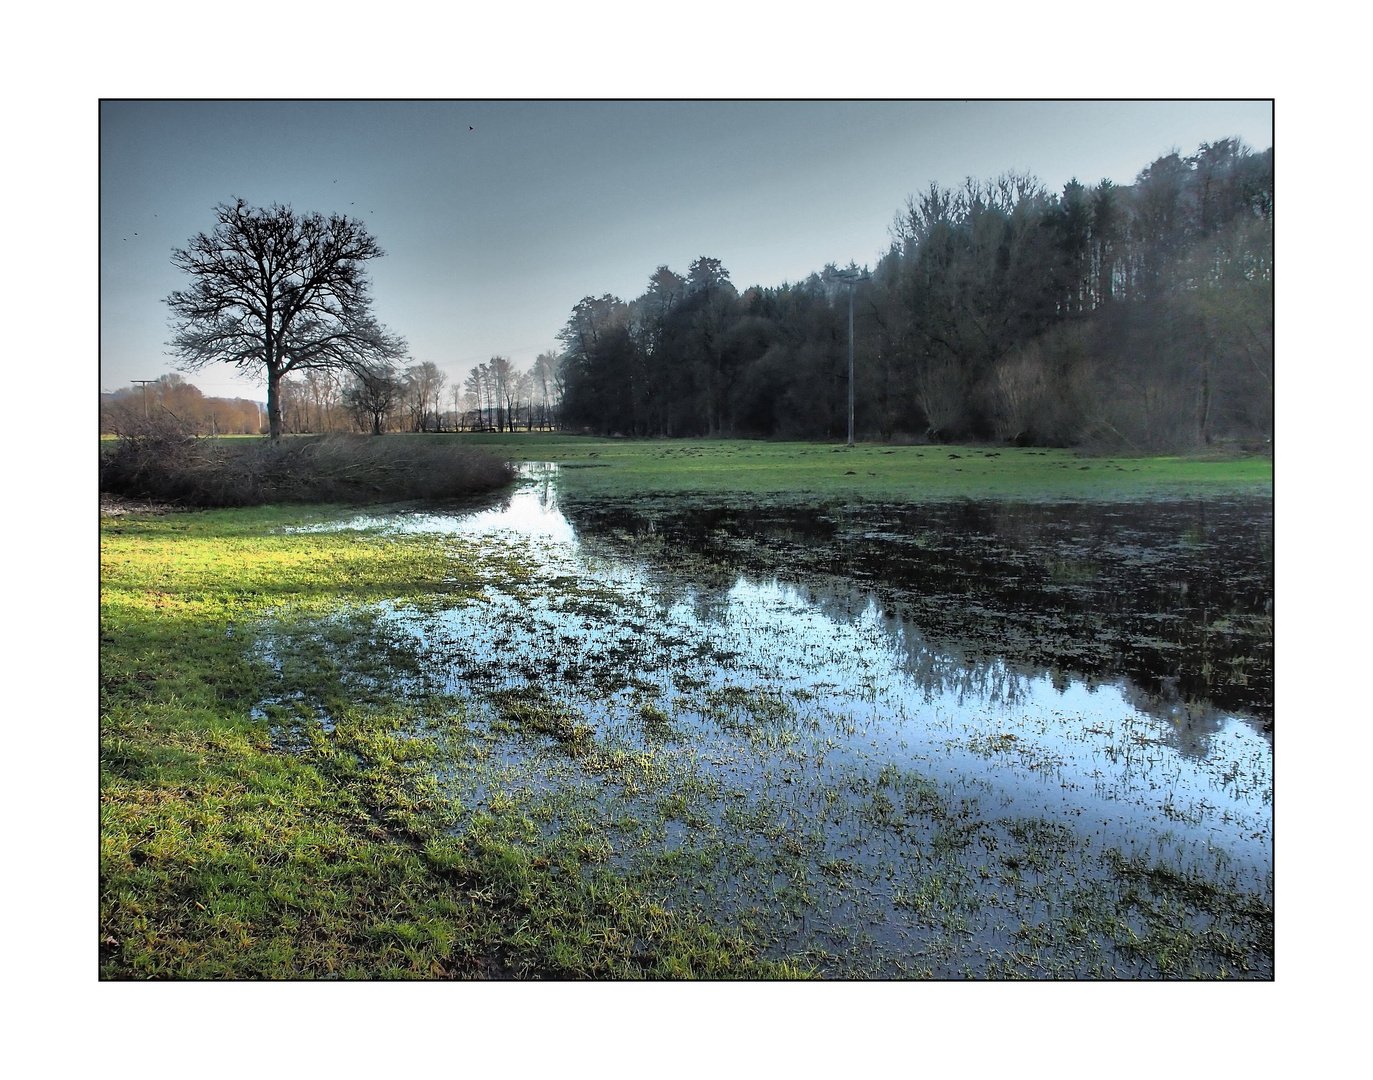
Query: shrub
[(157, 459)]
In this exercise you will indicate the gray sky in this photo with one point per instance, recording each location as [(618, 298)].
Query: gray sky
[(498, 216)]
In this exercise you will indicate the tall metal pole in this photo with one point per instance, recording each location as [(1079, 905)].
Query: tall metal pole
[(850, 363)]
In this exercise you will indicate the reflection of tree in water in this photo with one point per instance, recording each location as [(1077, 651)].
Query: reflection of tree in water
[(938, 669), (1190, 724), (1176, 596), (544, 481)]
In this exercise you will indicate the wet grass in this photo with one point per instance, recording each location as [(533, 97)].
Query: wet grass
[(271, 808), (652, 739)]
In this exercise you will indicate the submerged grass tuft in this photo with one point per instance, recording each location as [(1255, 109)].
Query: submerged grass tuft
[(530, 709)]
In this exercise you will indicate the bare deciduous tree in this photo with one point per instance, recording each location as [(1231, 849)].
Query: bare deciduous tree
[(522, 393), (547, 386), (474, 388), (371, 397), (502, 377), (276, 292), (423, 383)]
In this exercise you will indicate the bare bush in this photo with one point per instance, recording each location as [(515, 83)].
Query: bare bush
[(329, 468), (1144, 415), (153, 456), (1040, 394), (1019, 389), (940, 392)]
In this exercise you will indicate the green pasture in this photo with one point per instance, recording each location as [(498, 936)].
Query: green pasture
[(867, 471)]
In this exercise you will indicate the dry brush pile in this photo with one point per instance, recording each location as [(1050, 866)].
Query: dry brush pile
[(158, 459)]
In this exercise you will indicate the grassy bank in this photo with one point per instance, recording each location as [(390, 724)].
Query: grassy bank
[(868, 471), (277, 815)]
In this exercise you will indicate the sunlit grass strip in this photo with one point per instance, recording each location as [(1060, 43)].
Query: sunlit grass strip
[(223, 858)]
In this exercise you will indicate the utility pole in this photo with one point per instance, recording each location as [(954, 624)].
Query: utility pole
[(850, 278), (850, 442), (144, 383)]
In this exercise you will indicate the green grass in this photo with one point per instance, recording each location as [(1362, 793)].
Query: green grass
[(225, 856), (868, 471)]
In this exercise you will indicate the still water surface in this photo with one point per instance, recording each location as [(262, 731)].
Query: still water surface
[(848, 738)]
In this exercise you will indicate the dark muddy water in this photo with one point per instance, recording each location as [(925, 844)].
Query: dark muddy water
[(1176, 597), (975, 738)]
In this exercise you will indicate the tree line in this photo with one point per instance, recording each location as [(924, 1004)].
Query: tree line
[(495, 396), (286, 296), (1139, 316), (124, 410)]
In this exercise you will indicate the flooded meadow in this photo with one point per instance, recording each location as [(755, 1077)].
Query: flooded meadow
[(954, 739)]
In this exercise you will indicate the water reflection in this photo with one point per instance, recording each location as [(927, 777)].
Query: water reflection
[(529, 510), (841, 687), (943, 668), (1171, 603), (1176, 597), (860, 640)]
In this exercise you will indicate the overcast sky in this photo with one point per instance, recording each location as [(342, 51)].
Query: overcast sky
[(498, 216)]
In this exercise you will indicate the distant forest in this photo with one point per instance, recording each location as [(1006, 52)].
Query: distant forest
[(1137, 317), (1133, 317)]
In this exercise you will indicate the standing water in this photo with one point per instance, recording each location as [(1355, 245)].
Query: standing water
[(957, 739)]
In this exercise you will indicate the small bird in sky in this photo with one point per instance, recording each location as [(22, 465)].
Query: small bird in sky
[(471, 128)]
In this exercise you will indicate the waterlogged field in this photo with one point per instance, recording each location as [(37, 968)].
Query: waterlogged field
[(954, 739)]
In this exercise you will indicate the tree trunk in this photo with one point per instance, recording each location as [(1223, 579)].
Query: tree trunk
[(1204, 403), (274, 404)]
